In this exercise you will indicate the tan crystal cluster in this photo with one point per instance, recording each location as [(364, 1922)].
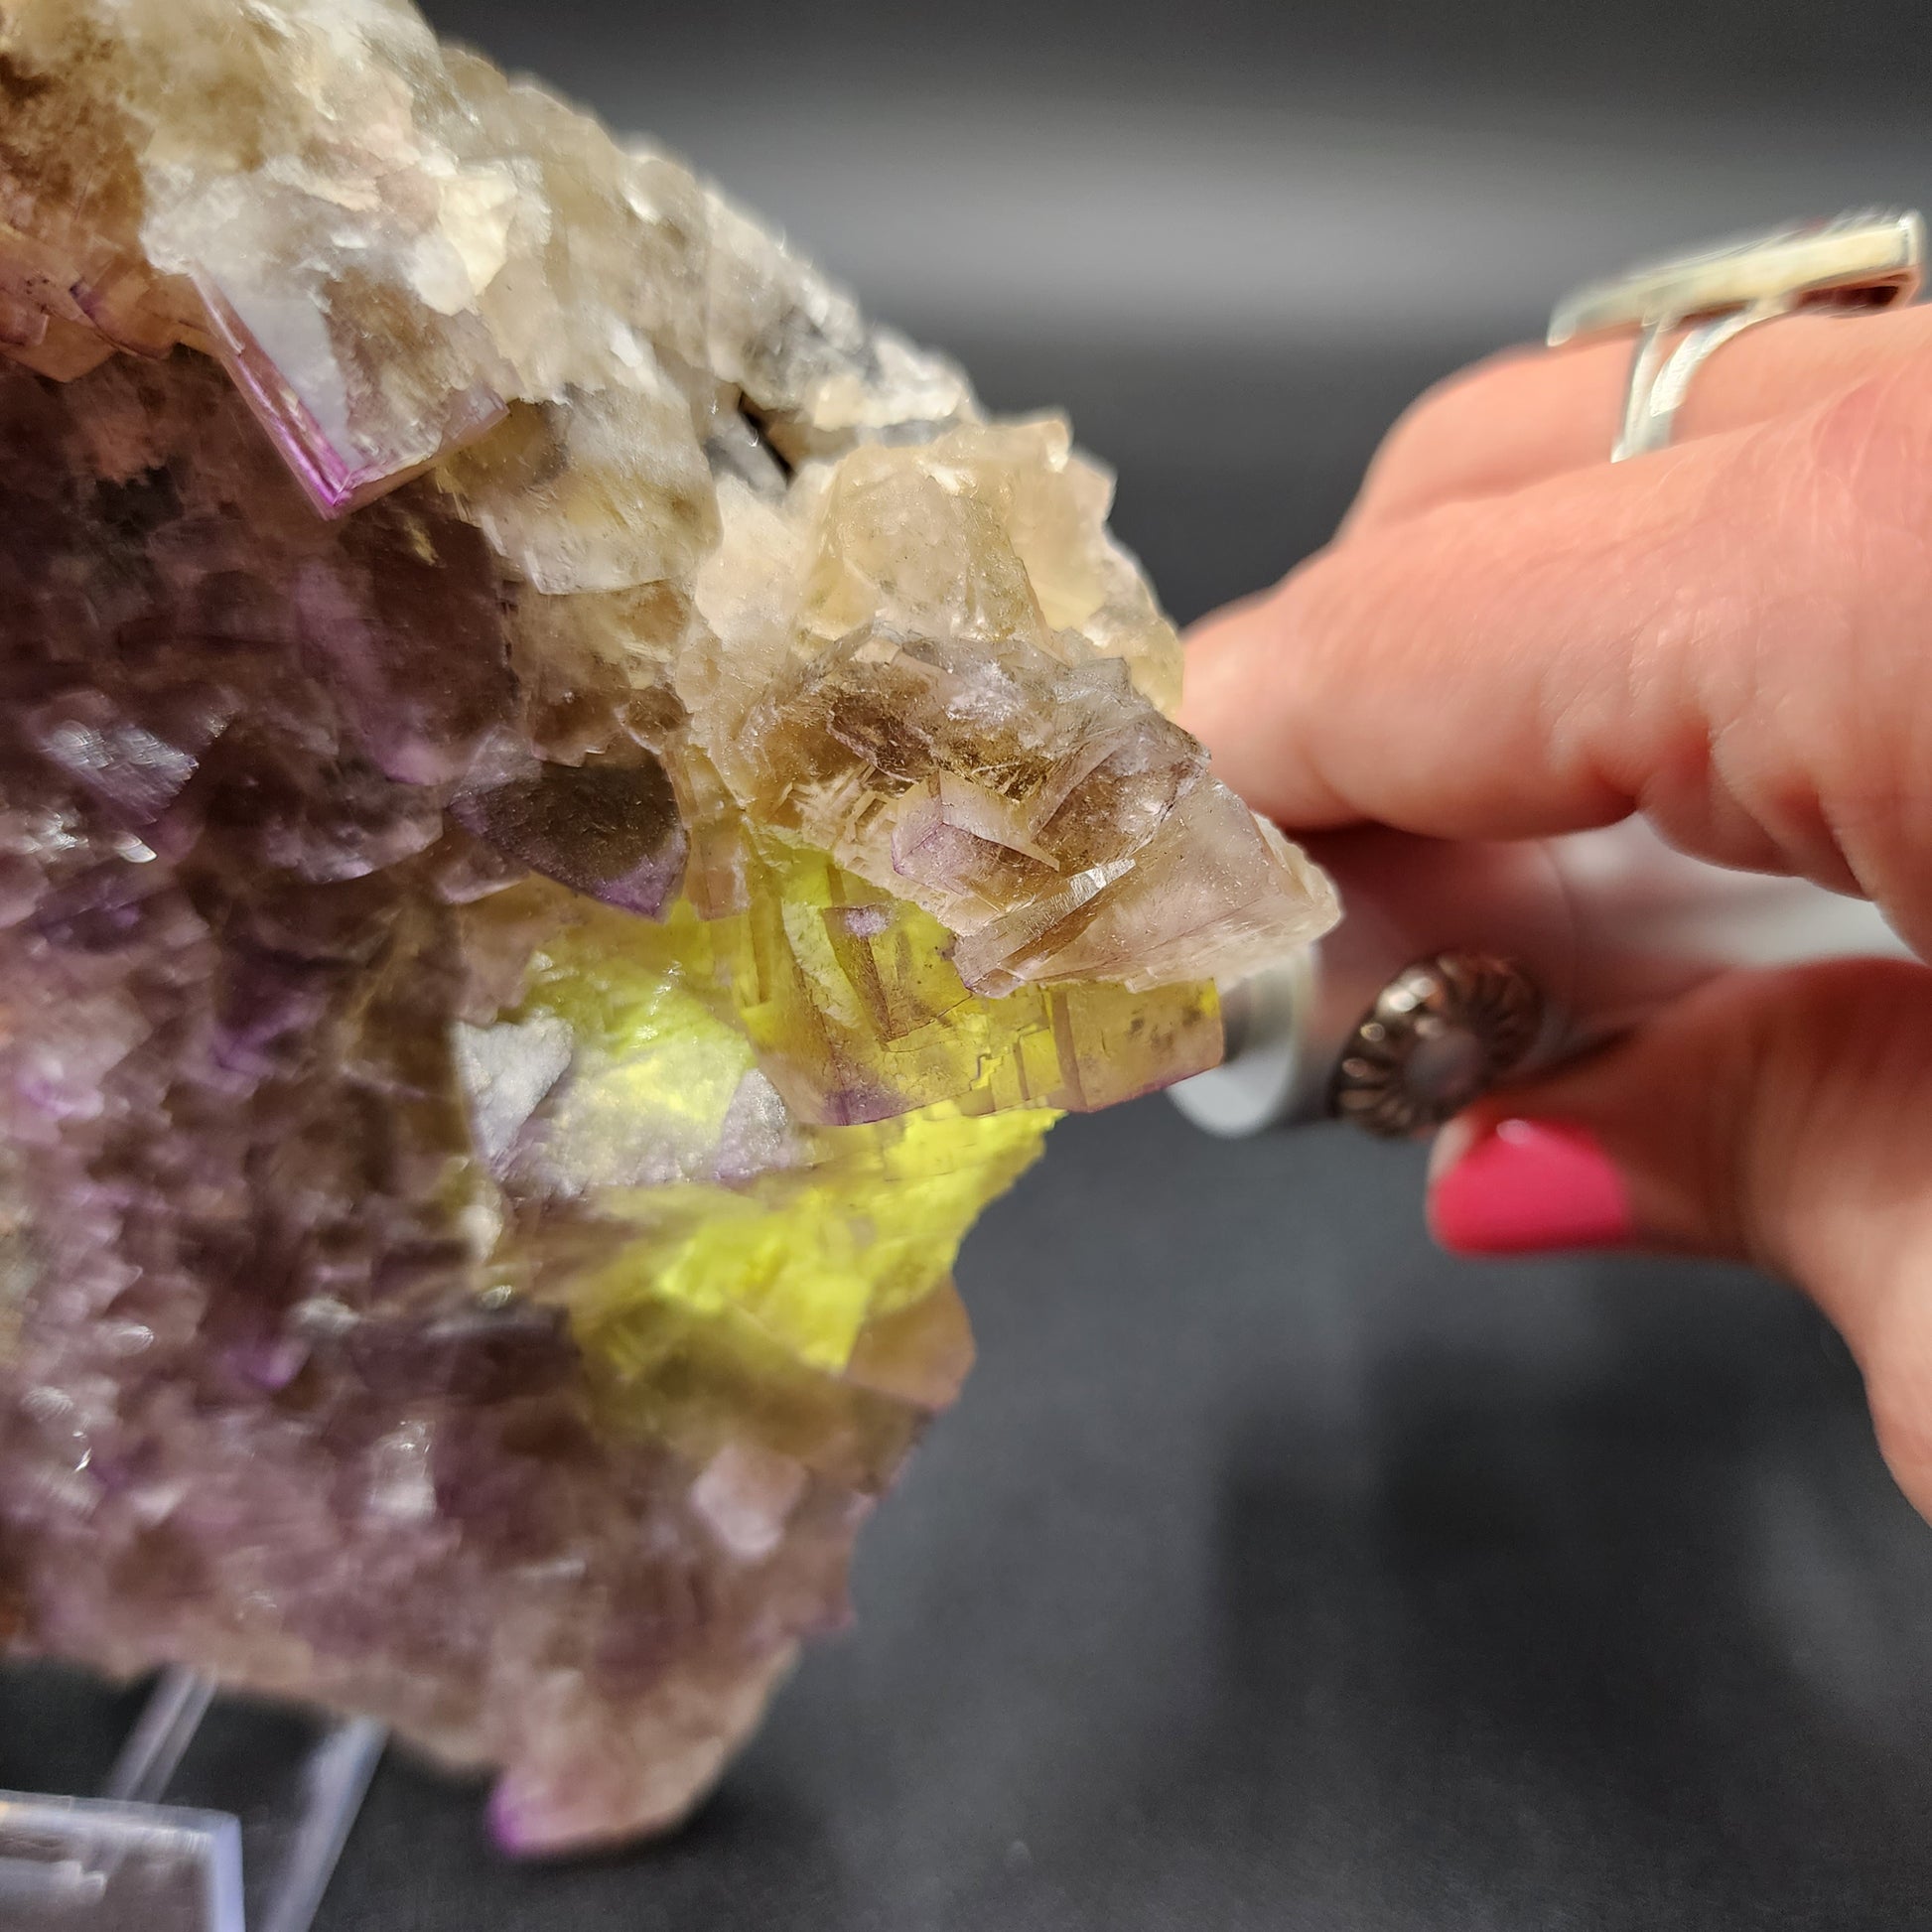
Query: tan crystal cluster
[(569, 813)]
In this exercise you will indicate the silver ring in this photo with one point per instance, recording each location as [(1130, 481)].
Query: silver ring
[(1872, 258)]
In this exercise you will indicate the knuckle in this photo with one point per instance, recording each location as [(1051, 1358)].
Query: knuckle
[(1433, 435), (1870, 450), (1443, 410), (1827, 518), (1450, 401)]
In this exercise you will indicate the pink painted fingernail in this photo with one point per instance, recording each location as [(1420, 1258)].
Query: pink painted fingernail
[(1526, 1186)]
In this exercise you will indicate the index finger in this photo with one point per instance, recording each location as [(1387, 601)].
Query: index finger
[(1722, 635)]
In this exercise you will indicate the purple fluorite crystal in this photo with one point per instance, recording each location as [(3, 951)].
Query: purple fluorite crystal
[(568, 813)]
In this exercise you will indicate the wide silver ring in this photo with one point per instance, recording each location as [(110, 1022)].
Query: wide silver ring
[(1869, 259)]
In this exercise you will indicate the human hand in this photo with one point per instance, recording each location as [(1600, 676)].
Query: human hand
[(1512, 637)]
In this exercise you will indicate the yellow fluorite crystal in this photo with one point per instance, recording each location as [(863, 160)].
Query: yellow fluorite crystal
[(731, 1202), (569, 813)]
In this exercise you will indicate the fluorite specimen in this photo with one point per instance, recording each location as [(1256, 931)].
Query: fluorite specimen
[(569, 813)]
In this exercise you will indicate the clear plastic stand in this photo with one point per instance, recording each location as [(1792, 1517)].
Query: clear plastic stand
[(217, 1817)]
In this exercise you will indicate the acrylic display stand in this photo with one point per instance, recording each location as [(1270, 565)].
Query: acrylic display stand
[(217, 1817)]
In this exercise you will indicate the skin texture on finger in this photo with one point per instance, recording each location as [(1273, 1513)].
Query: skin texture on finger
[(1727, 636), (1532, 413), (1783, 1119)]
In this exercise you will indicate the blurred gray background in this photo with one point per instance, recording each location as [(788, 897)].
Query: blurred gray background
[(1275, 1572)]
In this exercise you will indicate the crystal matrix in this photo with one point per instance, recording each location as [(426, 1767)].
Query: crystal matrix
[(569, 813)]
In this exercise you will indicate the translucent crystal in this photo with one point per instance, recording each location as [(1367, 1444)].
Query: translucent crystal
[(569, 813)]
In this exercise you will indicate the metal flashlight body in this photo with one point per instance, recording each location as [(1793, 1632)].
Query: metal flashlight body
[(1460, 967)]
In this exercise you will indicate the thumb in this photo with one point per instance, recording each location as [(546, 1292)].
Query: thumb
[(1779, 1117)]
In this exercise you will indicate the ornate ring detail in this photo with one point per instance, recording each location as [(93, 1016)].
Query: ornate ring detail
[(1442, 1032)]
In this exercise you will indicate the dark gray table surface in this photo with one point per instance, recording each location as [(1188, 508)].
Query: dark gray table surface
[(1273, 1570)]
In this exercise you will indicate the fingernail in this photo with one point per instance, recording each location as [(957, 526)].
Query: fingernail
[(1524, 1186)]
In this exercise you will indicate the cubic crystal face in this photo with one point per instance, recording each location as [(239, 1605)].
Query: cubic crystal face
[(569, 813)]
